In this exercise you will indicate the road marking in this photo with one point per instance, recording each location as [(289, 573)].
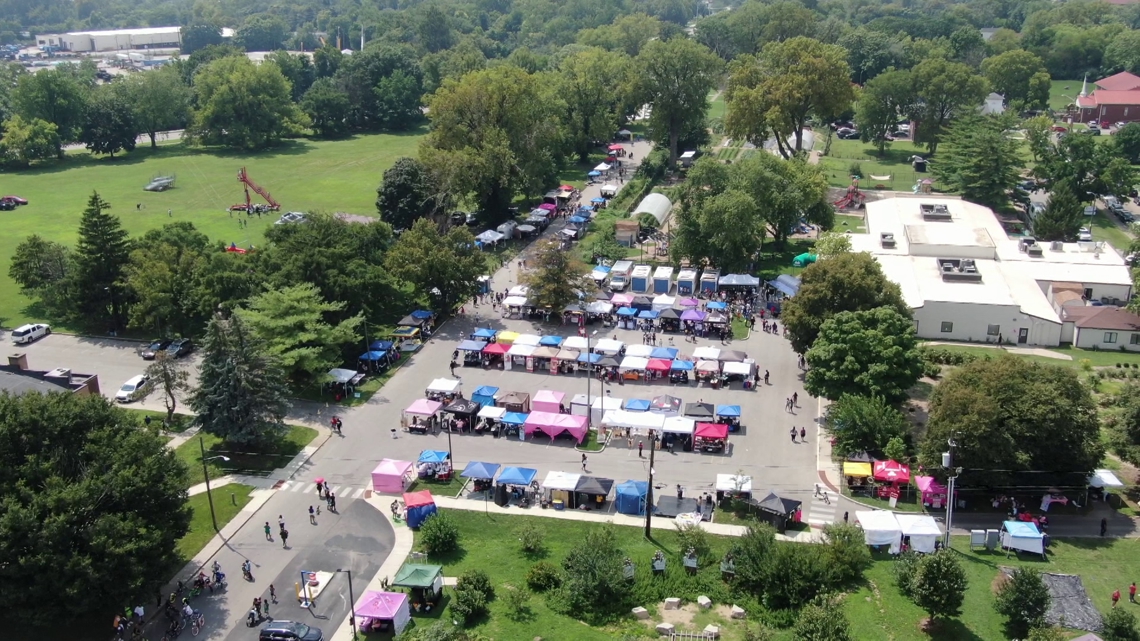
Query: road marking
[(820, 512)]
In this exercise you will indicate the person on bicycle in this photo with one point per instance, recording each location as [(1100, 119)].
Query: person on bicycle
[(187, 612)]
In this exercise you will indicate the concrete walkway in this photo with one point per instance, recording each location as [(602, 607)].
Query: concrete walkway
[(1027, 351)]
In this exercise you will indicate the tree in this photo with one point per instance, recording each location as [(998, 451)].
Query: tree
[(556, 278), (200, 36), (869, 353), (162, 279), (1039, 135), (1090, 168), (968, 45), (591, 85), (53, 95), (594, 584), (675, 77), (939, 585), (980, 160), (1063, 216), (384, 87), (298, 69), (844, 283), (1017, 75), (26, 141), (93, 507), (108, 124), (822, 621), (775, 93), (884, 99), (1119, 625), (433, 29), (101, 256), (243, 105), (1123, 52), (159, 99), (327, 107), (845, 551), (1123, 424), (170, 378), (1023, 600), (860, 423), (896, 449), (943, 90), (785, 192), (733, 230), (831, 243), (407, 193), (869, 53), (241, 392), (444, 268), (1012, 415), (261, 32), (1127, 139), (44, 270)]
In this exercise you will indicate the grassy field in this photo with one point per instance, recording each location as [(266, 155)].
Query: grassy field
[(774, 262), (1063, 93), (1097, 358), (1105, 228), (303, 175), (201, 526), (180, 423), (847, 222), (242, 462), (895, 162)]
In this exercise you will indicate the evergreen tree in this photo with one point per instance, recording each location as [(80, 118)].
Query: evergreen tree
[(1023, 600), (978, 159), (241, 393), (101, 255), (1062, 217)]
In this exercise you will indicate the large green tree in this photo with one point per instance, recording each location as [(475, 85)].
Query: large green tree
[(939, 585), (442, 267), (865, 353), (1090, 168), (94, 507), (26, 141), (407, 193), (980, 160), (674, 77), (1009, 415), (1063, 215), (159, 100), (593, 85), (200, 36), (162, 279), (774, 94), (860, 423), (822, 621), (845, 283), (943, 91), (883, 100), (593, 582), (384, 86), (241, 394), (56, 96), (1020, 77), (732, 229), (1128, 141), (785, 192), (243, 105), (44, 271), (1123, 52), (555, 277), (328, 107), (109, 123), (1023, 599), (261, 32), (1119, 625), (101, 258)]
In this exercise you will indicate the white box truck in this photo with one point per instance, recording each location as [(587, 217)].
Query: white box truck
[(619, 275)]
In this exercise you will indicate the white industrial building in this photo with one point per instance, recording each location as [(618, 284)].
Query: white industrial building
[(966, 280), (114, 40)]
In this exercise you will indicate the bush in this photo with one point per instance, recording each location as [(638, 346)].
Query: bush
[(946, 356), (846, 553), (795, 574), (931, 369), (543, 576), (1119, 625), (468, 605), (693, 537), (1023, 600), (439, 534), (518, 602), (530, 538), (822, 621), (855, 169), (939, 586), (478, 581), (905, 568), (593, 584)]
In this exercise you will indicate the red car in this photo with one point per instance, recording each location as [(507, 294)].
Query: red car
[(16, 199), (1058, 129)]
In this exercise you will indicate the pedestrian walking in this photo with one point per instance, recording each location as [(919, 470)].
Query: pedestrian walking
[(169, 213), (795, 399), (1132, 593), (765, 377), (284, 538), (320, 490), (803, 434), (1115, 597), (332, 502), (265, 607), (1103, 526), (793, 435), (640, 445), (583, 461), (312, 515), (272, 593), (268, 532), (280, 523), (845, 517)]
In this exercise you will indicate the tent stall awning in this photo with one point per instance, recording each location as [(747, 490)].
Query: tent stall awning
[(444, 386), (561, 481), (922, 529), (471, 346), (594, 485), (491, 411), (733, 483), (423, 407), (341, 376), (1104, 478), (480, 470), (414, 575), (739, 280), (516, 476), (856, 469), (879, 528)]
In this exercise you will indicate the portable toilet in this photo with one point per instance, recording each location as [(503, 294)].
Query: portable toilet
[(484, 284), (686, 281), (640, 281), (662, 280), (709, 281)]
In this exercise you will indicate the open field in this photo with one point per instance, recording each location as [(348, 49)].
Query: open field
[(1096, 358), (228, 501), (1063, 93), (895, 161), (302, 175), (242, 462)]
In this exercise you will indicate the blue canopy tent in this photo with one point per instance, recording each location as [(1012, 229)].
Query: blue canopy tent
[(514, 418), (664, 352), (636, 405), (728, 410), (577, 220), (380, 346), (627, 311), (551, 341), (585, 212), (517, 476), (471, 346), (598, 201), (483, 333), (423, 314), (432, 456), (373, 356), (485, 395), (631, 497), (480, 470), (682, 366), (589, 358), (647, 314), (716, 304), (594, 174)]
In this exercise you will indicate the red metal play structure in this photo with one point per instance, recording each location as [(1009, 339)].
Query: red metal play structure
[(243, 178), (853, 199)]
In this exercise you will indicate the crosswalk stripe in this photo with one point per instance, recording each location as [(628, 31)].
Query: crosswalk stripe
[(359, 491)]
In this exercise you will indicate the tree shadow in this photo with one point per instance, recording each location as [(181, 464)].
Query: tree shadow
[(952, 630)]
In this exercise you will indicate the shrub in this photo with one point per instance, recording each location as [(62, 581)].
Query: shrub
[(931, 369), (478, 581), (1022, 600), (855, 169), (693, 537), (939, 586), (1118, 366), (822, 621), (518, 602), (439, 534), (905, 568), (593, 581), (531, 538), (795, 574), (468, 605), (543, 576), (846, 553), (1119, 625)]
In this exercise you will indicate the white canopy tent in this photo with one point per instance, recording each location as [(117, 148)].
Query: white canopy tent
[(521, 350), (492, 411), (706, 353), (640, 422), (922, 529), (528, 339), (489, 236), (565, 481), (603, 404), (880, 528), (597, 307), (608, 346), (642, 351), (603, 167), (736, 367), (678, 425), (515, 301), (444, 386), (1105, 479), (1017, 535), (733, 483), (580, 405), (663, 302), (575, 342), (518, 290)]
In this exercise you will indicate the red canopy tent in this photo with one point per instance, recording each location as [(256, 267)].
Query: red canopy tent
[(659, 365), (496, 348), (890, 471), (710, 437), (615, 148), (420, 505)]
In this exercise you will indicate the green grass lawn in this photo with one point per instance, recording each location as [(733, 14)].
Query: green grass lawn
[(449, 488), (717, 106), (590, 443), (847, 222), (364, 391), (895, 162), (774, 261), (1097, 358), (303, 175), (201, 526), (1105, 228), (1063, 93), (244, 460), (180, 423)]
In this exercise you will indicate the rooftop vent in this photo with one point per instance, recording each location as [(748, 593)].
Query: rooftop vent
[(959, 270), (887, 239), (1035, 251), (935, 213), (1057, 246)]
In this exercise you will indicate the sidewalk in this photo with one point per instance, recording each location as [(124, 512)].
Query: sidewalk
[(1025, 351)]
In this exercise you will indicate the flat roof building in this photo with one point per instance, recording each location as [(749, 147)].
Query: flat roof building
[(966, 280), (113, 40)]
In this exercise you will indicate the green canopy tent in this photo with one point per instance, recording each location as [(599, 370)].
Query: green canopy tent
[(425, 582), (803, 260)]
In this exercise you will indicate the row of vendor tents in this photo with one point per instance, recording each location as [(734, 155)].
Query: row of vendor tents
[(884, 528)]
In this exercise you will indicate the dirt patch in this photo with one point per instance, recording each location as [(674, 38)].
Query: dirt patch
[(724, 611), (682, 618)]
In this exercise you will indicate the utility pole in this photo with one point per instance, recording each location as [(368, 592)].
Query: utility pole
[(948, 463), (649, 490)]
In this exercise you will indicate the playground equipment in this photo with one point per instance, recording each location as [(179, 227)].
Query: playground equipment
[(923, 186), (243, 178), (853, 199), (805, 259)]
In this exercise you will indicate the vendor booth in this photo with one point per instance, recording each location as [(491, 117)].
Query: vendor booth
[(891, 474), (732, 486), (636, 405), (710, 437), (710, 279), (735, 371), (708, 371), (548, 401), (515, 402), (706, 353), (633, 367), (777, 510), (608, 346), (418, 507), (519, 356), (700, 411), (669, 320), (408, 338), (630, 497), (490, 417), (679, 371), (662, 302), (464, 412), (591, 492), (665, 404), (637, 423), (729, 415), (580, 405), (880, 528), (420, 416), (392, 476), (932, 492), (640, 351), (434, 464), (483, 334), (342, 382), (920, 530), (601, 405), (686, 281), (424, 581), (481, 474), (443, 390), (542, 359), (553, 424), (677, 433), (383, 612), (485, 395), (377, 361), (558, 489), (514, 484), (662, 280), (472, 352), (565, 362), (1022, 537), (857, 475), (495, 354), (528, 339)]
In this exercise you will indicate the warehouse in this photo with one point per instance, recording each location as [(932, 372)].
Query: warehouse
[(115, 40), (966, 280)]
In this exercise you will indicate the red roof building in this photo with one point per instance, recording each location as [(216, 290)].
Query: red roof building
[(1116, 99)]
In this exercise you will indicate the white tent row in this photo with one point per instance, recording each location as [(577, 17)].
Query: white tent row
[(515, 301), (608, 346), (521, 350), (881, 527), (640, 351), (603, 167), (922, 529), (679, 425), (736, 367), (633, 363), (528, 339), (565, 481), (639, 422), (490, 236)]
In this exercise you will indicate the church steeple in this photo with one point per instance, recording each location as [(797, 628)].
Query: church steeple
[(1085, 86)]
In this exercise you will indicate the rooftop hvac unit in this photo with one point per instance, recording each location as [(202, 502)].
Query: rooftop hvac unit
[(887, 239), (1057, 246), (1035, 251)]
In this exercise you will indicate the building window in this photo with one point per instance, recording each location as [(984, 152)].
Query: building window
[(1109, 337), (947, 327), (993, 330), (1134, 340)]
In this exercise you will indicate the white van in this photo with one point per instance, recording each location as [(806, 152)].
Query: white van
[(132, 390), (29, 333)]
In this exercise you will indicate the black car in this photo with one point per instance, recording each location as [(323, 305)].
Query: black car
[(289, 631), (156, 346), (847, 134), (180, 347)]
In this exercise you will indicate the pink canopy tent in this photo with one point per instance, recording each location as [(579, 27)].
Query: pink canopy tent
[(553, 424), (711, 430), (392, 476), (890, 471), (547, 401), (548, 207), (622, 299), (933, 493), (377, 606), (496, 348), (659, 365), (424, 407)]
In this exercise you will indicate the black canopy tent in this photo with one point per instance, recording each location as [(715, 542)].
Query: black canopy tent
[(700, 410), (592, 491), (412, 321), (775, 510), (466, 410)]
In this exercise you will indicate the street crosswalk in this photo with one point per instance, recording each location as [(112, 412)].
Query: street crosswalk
[(341, 492), (820, 511)]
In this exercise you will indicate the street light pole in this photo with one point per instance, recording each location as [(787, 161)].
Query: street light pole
[(649, 490), (589, 375), (351, 603), (948, 463), (206, 473)]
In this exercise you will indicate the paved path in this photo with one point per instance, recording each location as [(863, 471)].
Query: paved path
[(1027, 351)]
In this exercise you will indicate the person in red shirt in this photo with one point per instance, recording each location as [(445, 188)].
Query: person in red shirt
[(1115, 597), (1132, 593)]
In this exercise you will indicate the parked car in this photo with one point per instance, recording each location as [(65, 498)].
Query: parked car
[(16, 199), (180, 347), (1125, 216), (1084, 235), (28, 333), (903, 126), (1091, 131), (847, 134), (156, 346), (1112, 203), (1058, 129), (289, 631), (7, 205), (132, 390), (1090, 210)]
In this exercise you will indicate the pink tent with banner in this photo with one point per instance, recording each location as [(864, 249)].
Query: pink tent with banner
[(383, 611), (548, 207), (890, 472), (933, 493), (547, 401), (553, 424), (423, 407), (392, 476)]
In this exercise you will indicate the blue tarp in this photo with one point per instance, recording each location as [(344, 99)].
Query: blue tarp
[(664, 352), (480, 470), (373, 356), (432, 456), (422, 314), (627, 311), (630, 497), (591, 358), (716, 304), (471, 346), (380, 346), (517, 476), (593, 174), (604, 269), (598, 200), (577, 220), (682, 365), (1022, 530), (514, 418), (647, 314), (785, 284), (485, 395), (483, 332), (552, 341), (417, 515), (637, 405), (728, 410)]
